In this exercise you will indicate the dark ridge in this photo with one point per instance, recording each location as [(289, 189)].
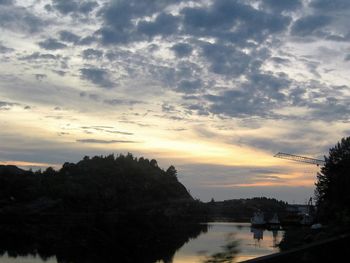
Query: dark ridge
[(11, 170)]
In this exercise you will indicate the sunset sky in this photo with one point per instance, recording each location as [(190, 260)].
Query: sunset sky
[(215, 88)]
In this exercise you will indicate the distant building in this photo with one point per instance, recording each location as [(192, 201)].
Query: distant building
[(299, 209)]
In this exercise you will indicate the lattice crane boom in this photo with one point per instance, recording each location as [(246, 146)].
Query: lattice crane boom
[(298, 158)]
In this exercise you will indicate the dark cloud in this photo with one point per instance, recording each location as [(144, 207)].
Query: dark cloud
[(119, 20), (324, 102), (109, 36), (60, 72), (100, 77), (92, 54), (65, 6), (232, 24), (96, 141), (215, 20), (331, 109), (338, 38), (40, 56), (233, 21), (5, 105), (189, 86), (285, 5), (71, 6), (116, 102), (296, 141), (19, 19), (226, 60), (94, 97), (168, 108), (52, 44), (200, 109), (4, 49), (327, 20), (119, 132), (6, 2), (310, 25), (182, 49), (69, 37), (164, 25), (87, 6), (257, 97), (279, 60), (40, 77), (106, 129), (330, 5), (85, 41)]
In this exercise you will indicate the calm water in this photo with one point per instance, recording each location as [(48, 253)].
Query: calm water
[(251, 243)]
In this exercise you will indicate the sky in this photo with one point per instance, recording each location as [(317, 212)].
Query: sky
[(215, 88)]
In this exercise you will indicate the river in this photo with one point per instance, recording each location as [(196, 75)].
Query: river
[(248, 243), (251, 243)]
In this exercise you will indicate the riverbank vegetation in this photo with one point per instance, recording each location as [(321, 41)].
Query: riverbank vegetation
[(332, 202)]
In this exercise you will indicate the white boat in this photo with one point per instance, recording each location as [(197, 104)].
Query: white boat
[(274, 220), (316, 226), (258, 219), (306, 220)]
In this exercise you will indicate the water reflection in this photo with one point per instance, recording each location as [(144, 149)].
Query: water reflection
[(228, 253), (144, 242), (249, 242), (135, 242), (258, 235)]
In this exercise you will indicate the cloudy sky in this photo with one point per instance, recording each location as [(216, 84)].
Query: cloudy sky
[(214, 87)]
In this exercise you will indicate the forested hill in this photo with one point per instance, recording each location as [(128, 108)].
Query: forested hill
[(243, 209), (101, 209), (93, 184)]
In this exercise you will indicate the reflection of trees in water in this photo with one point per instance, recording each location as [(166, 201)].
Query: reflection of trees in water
[(137, 241), (275, 238), (228, 253)]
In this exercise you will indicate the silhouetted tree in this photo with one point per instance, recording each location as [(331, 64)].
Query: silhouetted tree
[(154, 163), (49, 172), (333, 183), (171, 171)]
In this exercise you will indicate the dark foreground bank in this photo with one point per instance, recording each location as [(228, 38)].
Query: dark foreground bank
[(328, 250)]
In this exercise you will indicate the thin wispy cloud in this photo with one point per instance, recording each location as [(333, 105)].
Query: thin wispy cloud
[(103, 141)]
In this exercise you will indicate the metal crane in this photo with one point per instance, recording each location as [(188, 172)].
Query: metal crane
[(302, 159), (298, 158)]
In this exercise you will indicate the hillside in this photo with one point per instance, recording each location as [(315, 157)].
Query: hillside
[(243, 209), (94, 185), (96, 210)]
